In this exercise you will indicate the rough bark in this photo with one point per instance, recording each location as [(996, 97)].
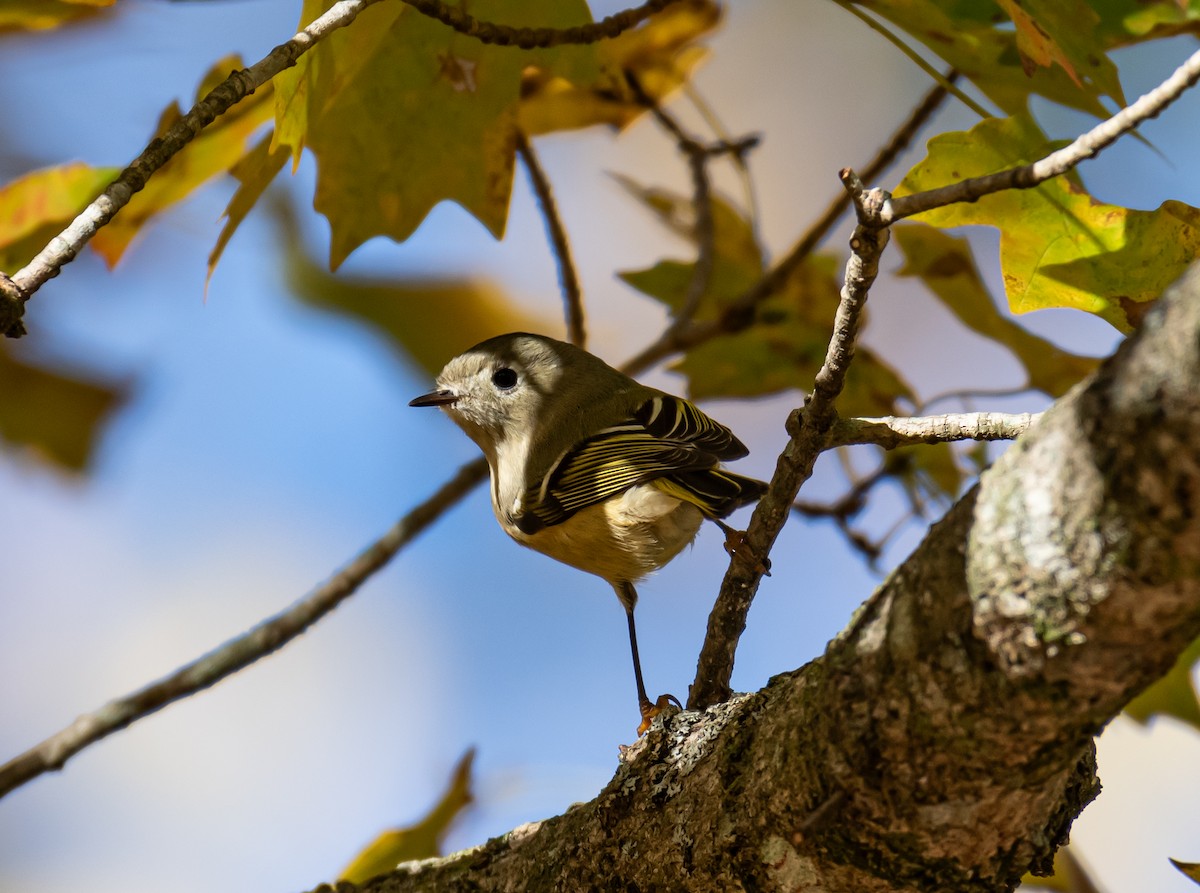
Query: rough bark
[(944, 742)]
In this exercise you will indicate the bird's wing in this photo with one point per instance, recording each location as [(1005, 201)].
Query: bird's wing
[(666, 439)]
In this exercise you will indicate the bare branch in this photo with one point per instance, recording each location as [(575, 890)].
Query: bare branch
[(1056, 163), (567, 277), (890, 432), (63, 248), (531, 38), (808, 428), (269, 636), (739, 314)]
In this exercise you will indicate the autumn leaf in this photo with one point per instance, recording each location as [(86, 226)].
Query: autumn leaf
[(1070, 876), (422, 840), (40, 15), (254, 172), (402, 113), (1059, 247), (38, 206), (976, 40), (1172, 695), (660, 54), (55, 415), (1190, 870), (1063, 32), (213, 152), (946, 265)]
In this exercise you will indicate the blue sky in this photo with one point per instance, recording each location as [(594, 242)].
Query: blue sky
[(267, 442)]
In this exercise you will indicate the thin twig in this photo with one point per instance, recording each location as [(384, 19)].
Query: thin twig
[(268, 636), (891, 432), (739, 314), (537, 38), (808, 429), (965, 395), (568, 279), (63, 248), (1029, 175)]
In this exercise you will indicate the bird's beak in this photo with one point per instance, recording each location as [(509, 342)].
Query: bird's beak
[(435, 398)]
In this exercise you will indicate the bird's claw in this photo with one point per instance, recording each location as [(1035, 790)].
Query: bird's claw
[(649, 711), (734, 540)]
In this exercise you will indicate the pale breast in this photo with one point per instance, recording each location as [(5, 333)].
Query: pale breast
[(622, 539)]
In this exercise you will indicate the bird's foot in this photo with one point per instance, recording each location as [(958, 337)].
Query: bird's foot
[(736, 539), (649, 711)]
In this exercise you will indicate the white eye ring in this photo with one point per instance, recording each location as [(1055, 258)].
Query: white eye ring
[(504, 378)]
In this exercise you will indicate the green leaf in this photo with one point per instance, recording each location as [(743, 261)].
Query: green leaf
[(1063, 32), (1059, 247), (36, 207), (973, 37), (403, 113), (210, 154), (1172, 695), (54, 414), (420, 841), (946, 265)]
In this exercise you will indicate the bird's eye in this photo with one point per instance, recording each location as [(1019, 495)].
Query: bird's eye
[(505, 379)]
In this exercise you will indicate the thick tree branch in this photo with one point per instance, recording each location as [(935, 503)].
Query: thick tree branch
[(1029, 175), (944, 741), (808, 428), (269, 636)]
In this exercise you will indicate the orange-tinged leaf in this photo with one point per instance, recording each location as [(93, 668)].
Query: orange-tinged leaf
[(254, 172), (1059, 247), (218, 147), (420, 841), (1172, 695), (946, 265), (412, 114), (1065, 33), (974, 38), (55, 415), (36, 207), (39, 15)]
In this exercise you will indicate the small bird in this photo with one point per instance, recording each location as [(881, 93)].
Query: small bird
[(590, 467)]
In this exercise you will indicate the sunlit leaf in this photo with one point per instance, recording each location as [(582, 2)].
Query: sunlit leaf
[(38, 15), (420, 841), (946, 265), (1059, 247), (660, 54), (1063, 32), (218, 147), (254, 172), (37, 206), (1172, 695), (53, 414), (1190, 870), (975, 38), (403, 113)]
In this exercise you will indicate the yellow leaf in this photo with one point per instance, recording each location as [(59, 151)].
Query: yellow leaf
[(1190, 870), (1059, 247), (37, 206), (1070, 876), (402, 113), (420, 841), (945, 264), (1172, 695), (254, 172), (213, 152)]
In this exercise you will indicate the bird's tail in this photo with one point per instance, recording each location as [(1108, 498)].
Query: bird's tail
[(715, 491)]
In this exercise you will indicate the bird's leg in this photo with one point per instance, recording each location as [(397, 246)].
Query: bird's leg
[(628, 596), (735, 539)]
